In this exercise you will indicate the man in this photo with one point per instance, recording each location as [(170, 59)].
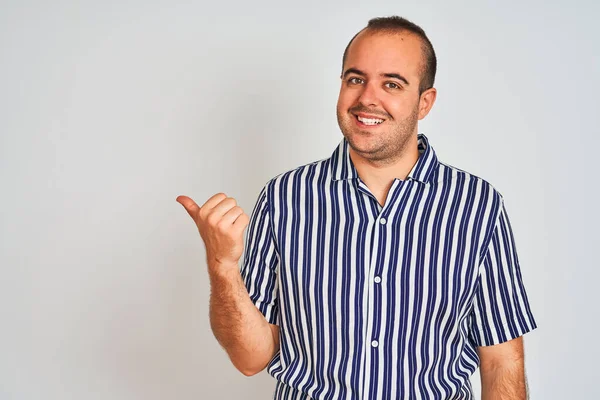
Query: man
[(380, 272)]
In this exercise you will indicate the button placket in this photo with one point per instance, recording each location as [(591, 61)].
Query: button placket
[(380, 229), (379, 271), (379, 223)]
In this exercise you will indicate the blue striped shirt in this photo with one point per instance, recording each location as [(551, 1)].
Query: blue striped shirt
[(384, 302)]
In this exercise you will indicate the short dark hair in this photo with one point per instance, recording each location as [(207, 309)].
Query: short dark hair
[(397, 24)]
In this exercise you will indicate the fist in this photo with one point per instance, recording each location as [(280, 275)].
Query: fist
[(221, 223)]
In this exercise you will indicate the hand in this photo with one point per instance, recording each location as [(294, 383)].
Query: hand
[(221, 223)]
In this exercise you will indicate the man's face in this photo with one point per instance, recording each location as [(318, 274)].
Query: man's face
[(378, 104)]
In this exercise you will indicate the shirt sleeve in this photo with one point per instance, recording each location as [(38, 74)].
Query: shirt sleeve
[(261, 260), (501, 310)]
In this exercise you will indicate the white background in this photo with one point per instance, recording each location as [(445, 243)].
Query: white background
[(109, 110)]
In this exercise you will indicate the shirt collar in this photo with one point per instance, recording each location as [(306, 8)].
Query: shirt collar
[(342, 167)]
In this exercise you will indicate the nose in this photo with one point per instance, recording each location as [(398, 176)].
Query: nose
[(368, 96)]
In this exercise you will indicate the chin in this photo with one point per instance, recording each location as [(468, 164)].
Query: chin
[(363, 142)]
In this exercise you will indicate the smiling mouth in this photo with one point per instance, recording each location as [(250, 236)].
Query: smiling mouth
[(369, 121)]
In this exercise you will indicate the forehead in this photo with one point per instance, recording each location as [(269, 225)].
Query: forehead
[(381, 52)]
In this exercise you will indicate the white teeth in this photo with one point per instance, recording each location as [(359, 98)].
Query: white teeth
[(369, 121)]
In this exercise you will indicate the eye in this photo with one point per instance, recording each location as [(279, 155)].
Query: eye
[(392, 85), (355, 81)]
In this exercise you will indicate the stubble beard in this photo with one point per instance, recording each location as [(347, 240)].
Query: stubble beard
[(385, 147)]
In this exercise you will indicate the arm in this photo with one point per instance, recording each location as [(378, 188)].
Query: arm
[(502, 370), (245, 334), (249, 340), (501, 316)]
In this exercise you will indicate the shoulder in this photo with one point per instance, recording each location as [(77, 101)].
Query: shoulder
[(301, 175), (449, 174), (480, 195)]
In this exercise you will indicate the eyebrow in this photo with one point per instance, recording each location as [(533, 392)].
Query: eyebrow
[(387, 75)]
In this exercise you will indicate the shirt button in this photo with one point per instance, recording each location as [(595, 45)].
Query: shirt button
[(382, 221), (377, 279), (374, 343)]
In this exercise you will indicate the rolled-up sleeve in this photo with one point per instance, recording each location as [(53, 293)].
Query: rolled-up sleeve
[(501, 310), (261, 260)]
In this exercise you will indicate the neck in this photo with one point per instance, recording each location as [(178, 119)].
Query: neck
[(379, 175)]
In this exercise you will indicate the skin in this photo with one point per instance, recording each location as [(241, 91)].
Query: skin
[(502, 370), (249, 340), (380, 79)]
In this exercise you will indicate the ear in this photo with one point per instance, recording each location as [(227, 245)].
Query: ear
[(426, 102)]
